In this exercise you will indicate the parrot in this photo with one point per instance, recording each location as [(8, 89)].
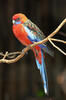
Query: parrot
[(28, 33)]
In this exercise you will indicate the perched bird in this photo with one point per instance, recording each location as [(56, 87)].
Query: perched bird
[(28, 33)]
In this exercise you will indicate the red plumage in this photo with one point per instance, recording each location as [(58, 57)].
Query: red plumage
[(21, 35)]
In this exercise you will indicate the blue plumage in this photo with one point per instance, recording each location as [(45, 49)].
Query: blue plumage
[(42, 68)]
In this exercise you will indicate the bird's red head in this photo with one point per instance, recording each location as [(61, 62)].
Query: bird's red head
[(19, 18)]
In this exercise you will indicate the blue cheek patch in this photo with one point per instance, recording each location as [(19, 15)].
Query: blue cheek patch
[(18, 22)]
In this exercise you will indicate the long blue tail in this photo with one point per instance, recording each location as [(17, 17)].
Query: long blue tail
[(42, 68)]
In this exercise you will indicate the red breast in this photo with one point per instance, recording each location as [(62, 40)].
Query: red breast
[(21, 34)]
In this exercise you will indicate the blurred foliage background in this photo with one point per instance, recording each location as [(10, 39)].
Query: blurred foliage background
[(22, 80)]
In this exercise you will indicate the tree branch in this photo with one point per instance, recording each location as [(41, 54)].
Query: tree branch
[(50, 40), (15, 56), (58, 40)]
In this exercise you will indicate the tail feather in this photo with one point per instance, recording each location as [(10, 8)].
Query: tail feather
[(42, 67), (47, 49)]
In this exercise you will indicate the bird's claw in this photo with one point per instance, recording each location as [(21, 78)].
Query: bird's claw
[(24, 51)]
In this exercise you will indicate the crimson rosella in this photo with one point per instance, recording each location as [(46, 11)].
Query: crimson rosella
[(28, 33)]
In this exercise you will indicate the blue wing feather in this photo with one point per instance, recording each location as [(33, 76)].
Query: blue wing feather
[(33, 38)]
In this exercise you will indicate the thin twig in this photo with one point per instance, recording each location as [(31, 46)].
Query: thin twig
[(56, 47), (13, 54), (5, 55), (58, 40), (15, 59), (1, 54)]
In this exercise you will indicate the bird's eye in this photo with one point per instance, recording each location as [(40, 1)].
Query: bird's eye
[(17, 19)]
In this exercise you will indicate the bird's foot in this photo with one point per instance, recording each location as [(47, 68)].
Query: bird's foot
[(24, 51)]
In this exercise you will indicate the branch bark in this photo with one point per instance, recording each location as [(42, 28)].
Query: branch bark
[(19, 55)]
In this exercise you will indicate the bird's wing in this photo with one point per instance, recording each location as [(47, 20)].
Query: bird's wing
[(36, 35)]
